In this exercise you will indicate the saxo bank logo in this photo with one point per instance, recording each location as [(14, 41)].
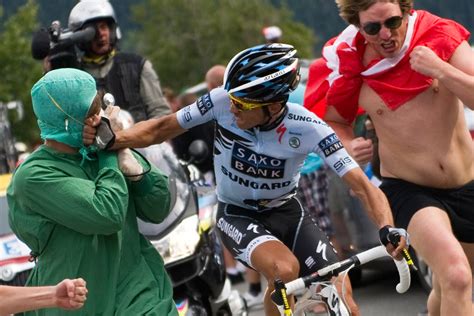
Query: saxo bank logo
[(330, 144), (256, 165), (204, 103)]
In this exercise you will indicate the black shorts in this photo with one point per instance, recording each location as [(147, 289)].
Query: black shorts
[(406, 199), (242, 230)]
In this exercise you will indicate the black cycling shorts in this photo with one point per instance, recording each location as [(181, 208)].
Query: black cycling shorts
[(406, 199), (242, 230)]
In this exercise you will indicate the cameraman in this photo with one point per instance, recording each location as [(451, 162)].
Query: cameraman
[(129, 77)]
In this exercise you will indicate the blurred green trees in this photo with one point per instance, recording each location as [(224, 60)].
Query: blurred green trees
[(184, 38), (18, 70)]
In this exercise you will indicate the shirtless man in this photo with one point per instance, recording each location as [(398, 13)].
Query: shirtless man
[(412, 72)]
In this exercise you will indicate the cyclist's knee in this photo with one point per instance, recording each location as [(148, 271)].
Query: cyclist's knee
[(285, 270)]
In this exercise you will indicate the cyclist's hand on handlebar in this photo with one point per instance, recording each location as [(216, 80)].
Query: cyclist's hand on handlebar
[(396, 240)]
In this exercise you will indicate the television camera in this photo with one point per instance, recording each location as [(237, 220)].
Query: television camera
[(60, 45)]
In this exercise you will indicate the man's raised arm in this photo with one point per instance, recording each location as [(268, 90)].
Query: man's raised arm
[(359, 148)]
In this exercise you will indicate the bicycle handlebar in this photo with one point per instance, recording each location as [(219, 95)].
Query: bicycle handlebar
[(404, 273), (356, 260), (402, 266)]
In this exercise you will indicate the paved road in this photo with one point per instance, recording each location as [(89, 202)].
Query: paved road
[(376, 295)]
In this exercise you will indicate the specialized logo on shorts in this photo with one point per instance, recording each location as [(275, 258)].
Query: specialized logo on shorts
[(330, 145), (253, 228), (230, 230), (204, 103), (294, 142), (256, 165), (322, 249)]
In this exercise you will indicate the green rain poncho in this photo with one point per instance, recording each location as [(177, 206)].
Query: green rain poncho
[(79, 216)]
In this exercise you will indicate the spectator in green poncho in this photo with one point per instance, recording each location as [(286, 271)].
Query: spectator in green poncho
[(77, 210)]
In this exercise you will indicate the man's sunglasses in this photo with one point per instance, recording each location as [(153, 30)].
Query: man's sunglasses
[(373, 28), (242, 105)]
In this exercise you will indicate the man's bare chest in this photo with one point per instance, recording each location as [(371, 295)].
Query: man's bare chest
[(435, 105)]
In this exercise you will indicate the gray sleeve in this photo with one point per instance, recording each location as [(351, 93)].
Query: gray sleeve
[(151, 94)]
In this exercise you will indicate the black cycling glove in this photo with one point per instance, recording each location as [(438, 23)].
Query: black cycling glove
[(105, 136), (389, 234)]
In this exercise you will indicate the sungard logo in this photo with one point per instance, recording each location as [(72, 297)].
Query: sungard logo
[(330, 145), (253, 184), (204, 103), (230, 230), (297, 117)]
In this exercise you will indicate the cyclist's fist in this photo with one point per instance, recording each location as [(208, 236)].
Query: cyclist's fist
[(395, 240)]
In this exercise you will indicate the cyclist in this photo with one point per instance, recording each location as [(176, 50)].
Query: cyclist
[(261, 142)]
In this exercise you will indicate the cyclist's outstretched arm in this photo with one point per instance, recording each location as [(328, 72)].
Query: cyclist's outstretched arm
[(146, 133), (375, 203), (142, 134)]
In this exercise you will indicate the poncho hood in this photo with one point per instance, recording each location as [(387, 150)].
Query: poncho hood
[(61, 100)]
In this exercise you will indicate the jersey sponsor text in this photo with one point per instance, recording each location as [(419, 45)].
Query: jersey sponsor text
[(330, 144), (187, 114), (341, 163), (256, 165), (252, 184), (204, 103), (296, 117)]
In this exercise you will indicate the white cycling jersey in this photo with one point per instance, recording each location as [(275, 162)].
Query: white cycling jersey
[(259, 168)]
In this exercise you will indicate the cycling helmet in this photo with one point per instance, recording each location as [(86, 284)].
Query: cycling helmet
[(87, 11), (264, 73)]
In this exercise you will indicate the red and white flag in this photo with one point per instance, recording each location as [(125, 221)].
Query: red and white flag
[(336, 78)]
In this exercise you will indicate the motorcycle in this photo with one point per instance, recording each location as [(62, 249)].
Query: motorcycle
[(15, 263), (187, 239), (14, 255)]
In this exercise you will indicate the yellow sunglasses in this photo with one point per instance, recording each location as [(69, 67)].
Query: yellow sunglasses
[(245, 105)]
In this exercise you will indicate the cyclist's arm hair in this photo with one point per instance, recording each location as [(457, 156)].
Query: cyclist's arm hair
[(374, 200), (146, 133)]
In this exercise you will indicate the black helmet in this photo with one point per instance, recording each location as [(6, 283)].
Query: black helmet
[(264, 73)]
